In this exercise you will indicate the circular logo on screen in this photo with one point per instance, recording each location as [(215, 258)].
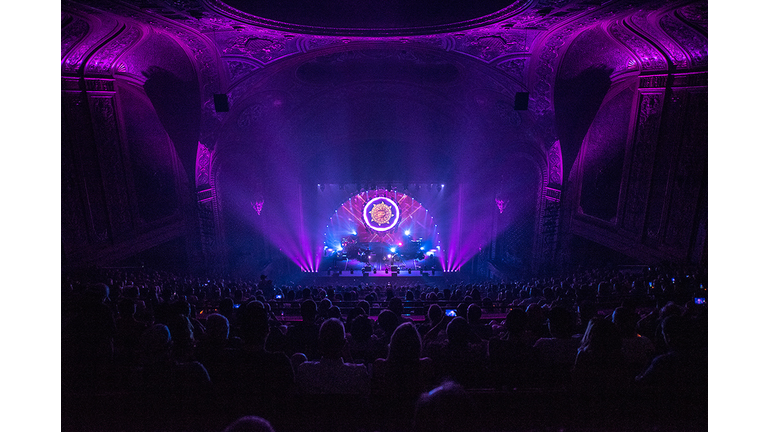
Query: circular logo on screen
[(381, 214)]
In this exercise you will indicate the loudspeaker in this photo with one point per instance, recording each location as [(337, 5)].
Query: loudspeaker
[(221, 102), (521, 101)]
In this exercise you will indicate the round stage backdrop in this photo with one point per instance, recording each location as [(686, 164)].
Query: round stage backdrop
[(381, 214)]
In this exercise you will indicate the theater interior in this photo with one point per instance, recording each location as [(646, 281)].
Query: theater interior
[(337, 142)]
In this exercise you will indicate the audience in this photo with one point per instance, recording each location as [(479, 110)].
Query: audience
[(192, 353)]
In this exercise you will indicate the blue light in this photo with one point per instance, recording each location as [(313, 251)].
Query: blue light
[(422, 248), (392, 249), (407, 232), (339, 248)]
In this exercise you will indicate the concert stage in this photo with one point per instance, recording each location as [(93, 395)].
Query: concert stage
[(379, 278)]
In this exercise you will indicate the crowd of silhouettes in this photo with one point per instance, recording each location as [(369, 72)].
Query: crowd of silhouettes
[(619, 344)]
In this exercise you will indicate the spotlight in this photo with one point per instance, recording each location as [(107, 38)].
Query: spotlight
[(392, 249), (339, 248), (421, 248), (407, 232)]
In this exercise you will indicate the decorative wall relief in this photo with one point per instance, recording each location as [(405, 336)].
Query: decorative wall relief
[(650, 57), (206, 225), (101, 62), (676, 55), (94, 210), (695, 14), (110, 158), (691, 40), (488, 46), (238, 69), (263, 46), (97, 35), (688, 176), (74, 230), (514, 68), (72, 33), (203, 167), (555, 164), (643, 150)]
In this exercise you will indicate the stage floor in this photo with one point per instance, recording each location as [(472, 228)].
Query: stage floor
[(379, 278)]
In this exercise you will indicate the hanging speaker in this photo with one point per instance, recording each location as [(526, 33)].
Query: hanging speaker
[(521, 101), (221, 102)]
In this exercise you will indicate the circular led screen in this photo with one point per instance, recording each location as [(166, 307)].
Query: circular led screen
[(381, 214)]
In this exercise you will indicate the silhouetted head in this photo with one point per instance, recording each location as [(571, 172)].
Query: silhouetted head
[(126, 308), (515, 321), (458, 331), (387, 321), (405, 344), (474, 313), (334, 312), (446, 408), (560, 323), (181, 329), (624, 320), (676, 332), (308, 310), (331, 339), (364, 306), (435, 313), (600, 337), (217, 327), (396, 305), (255, 323), (155, 344), (250, 424), (361, 328)]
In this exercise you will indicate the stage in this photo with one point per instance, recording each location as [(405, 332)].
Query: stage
[(356, 278)]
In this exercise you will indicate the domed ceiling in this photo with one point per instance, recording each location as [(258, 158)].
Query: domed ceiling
[(377, 14)]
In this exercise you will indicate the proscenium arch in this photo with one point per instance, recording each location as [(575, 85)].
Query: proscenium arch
[(270, 123)]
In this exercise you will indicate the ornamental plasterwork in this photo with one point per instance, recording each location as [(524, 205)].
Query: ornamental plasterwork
[(239, 69), (650, 57), (514, 67), (101, 62), (692, 41), (678, 57), (695, 13), (73, 32), (75, 58)]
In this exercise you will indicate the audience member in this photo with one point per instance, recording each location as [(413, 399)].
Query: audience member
[(303, 336), (446, 408), (330, 375)]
